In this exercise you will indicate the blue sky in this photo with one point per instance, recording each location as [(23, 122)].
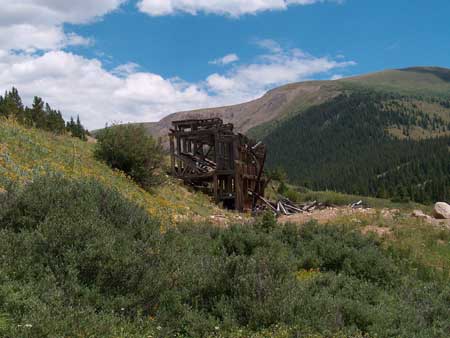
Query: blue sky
[(139, 60), (375, 34)]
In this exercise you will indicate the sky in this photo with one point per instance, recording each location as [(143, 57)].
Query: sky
[(116, 61)]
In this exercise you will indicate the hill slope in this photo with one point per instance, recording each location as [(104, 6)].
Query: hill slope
[(433, 81), (29, 153)]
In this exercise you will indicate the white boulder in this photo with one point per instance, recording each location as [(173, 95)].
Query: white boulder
[(441, 210)]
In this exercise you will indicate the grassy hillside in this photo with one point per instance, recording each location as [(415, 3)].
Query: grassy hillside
[(433, 81), (26, 154)]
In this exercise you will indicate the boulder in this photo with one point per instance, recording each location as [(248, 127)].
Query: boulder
[(419, 214), (441, 210)]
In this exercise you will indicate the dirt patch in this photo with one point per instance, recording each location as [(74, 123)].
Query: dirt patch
[(91, 139), (331, 214)]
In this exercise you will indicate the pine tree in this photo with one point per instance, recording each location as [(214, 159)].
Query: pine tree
[(38, 113), (81, 133), (54, 120), (11, 105), (71, 126)]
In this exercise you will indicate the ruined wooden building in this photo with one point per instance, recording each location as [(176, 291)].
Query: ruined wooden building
[(208, 155)]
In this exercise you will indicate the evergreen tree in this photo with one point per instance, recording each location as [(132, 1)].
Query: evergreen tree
[(11, 105), (54, 120), (38, 114), (76, 129)]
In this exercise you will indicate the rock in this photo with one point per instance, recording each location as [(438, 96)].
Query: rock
[(441, 210), (419, 214)]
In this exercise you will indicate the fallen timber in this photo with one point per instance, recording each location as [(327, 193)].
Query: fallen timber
[(207, 155), (283, 206)]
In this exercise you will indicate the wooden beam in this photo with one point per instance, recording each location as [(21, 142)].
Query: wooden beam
[(172, 155)]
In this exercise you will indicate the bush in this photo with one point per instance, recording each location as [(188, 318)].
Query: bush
[(79, 260), (130, 149), (73, 254)]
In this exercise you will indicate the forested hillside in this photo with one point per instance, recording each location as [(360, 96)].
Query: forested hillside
[(40, 115), (369, 143)]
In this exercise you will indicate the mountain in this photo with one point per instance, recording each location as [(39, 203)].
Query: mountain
[(275, 103), (413, 80), (258, 117), (387, 135)]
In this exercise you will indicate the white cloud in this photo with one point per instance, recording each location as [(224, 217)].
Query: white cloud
[(270, 45), (32, 39), (125, 69), (227, 59), (276, 68), (233, 8), (31, 25), (336, 77), (78, 85)]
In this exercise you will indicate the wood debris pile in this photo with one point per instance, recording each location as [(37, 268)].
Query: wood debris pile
[(284, 206), (358, 205)]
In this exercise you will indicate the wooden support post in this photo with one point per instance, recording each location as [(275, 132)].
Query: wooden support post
[(195, 148), (238, 202), (216, 188), (178, 152), (229, 188), (217, 151), (172, 155)]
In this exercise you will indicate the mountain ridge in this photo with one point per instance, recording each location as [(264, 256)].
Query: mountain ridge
[(257, 117)]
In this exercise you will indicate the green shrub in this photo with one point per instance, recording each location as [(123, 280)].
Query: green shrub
[(71, 252), (130, 149), (79, 260)]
